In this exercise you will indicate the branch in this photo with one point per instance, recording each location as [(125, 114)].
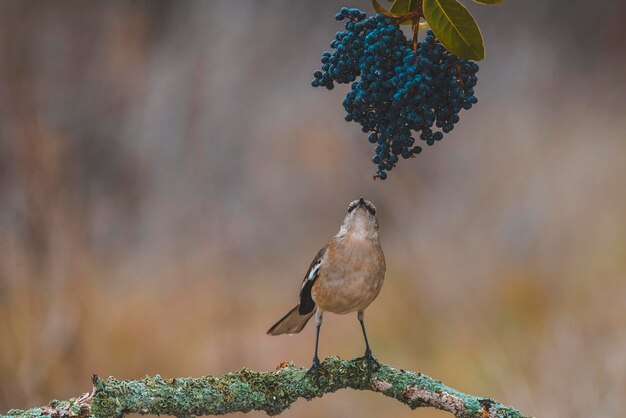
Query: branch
[(272, 392)]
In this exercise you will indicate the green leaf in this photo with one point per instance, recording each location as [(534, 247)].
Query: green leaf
[(380, 9), (488, 1), (455, 27), (401, 7)]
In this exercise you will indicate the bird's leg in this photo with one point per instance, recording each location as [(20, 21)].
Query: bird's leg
[(318, 324), (368, 351)]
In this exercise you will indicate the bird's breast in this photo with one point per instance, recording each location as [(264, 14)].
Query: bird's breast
[(351, 276)]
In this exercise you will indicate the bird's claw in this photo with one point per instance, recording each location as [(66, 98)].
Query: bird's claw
[(314, 371), (371, 360), (316, 363)]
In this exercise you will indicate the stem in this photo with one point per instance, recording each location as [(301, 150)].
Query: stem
[(407, 17), (416, 23)]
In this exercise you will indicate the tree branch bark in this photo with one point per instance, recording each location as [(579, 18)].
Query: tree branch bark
[(272, 392)]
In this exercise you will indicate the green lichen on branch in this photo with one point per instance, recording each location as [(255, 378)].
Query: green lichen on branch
[(272, 392)]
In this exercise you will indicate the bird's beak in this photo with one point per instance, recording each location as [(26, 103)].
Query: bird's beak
[(361, 201)]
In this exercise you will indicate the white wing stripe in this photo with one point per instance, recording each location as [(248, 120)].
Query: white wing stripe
[(313, 272)]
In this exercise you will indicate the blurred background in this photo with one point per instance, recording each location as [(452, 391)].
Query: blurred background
[(167, 173)]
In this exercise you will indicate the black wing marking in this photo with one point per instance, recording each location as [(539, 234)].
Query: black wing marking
[(306, 300)]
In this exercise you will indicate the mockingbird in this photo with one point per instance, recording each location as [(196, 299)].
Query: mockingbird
[(345, 276)]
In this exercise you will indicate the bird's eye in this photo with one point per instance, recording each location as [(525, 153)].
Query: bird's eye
[(371, 209), (352, 206)]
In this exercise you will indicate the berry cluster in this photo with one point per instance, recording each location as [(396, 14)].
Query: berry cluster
[(399, 91)]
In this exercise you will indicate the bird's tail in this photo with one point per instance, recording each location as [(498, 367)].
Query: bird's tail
[(291, 323)]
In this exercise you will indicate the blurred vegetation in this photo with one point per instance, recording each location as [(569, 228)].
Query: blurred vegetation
[(166, 174)]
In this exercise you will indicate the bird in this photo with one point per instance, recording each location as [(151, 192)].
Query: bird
[(345, 276)]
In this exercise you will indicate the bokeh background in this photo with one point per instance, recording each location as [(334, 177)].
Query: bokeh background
[(167, 173)]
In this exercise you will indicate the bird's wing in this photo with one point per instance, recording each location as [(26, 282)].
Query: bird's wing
[(306, 300)]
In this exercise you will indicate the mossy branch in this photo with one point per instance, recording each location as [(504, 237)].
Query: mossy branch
[(272, 392)]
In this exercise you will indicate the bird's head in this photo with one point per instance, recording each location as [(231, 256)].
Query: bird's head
[(360, 220)]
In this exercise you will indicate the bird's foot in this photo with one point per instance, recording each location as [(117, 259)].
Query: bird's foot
[(371, 361), (314, 371), (316, 363)]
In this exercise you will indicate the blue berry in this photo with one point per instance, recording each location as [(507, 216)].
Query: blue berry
[(396, 91)]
